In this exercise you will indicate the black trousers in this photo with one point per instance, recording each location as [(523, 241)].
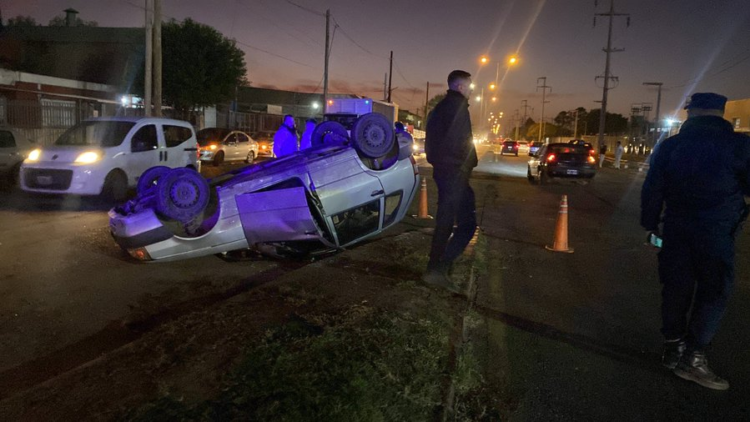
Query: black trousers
[(456, 206), (696, 269)]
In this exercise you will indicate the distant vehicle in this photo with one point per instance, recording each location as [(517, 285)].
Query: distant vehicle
[(339, 192), (509, 147), (534, 146), (346, 110), (561, 161), (583, 143), (418, 146), (218, 145), (108, 155), (14, 148), (523, 147), (264, 138)]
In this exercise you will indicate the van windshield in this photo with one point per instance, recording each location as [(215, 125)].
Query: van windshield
[(95, 133)]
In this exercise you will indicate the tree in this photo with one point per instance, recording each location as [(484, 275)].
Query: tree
[(200, 66), (21, 21), (614, 124), (62, 21)]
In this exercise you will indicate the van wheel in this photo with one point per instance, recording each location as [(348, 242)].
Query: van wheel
[(115, 186), (218, 158), (250, 157), (149, 179), (182, 195)]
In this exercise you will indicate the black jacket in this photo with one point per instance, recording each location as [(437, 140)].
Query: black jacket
[(449, 143), (701, 175)]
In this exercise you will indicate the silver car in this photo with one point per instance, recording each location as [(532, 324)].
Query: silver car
[(218, 145), (345, 188), (13, 150)]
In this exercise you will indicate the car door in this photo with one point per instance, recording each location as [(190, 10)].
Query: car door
[(243, 146), (180, 147), (535, 161), (144, 152), (231, 150)]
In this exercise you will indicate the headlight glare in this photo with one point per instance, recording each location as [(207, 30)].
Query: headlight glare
[(88, 157), (34, 155)]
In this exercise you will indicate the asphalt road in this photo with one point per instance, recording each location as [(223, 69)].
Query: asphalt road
[(569, 336)]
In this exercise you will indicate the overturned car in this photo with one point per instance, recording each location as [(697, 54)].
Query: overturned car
[(351, 185)]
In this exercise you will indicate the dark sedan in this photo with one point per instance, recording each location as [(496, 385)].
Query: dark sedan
[(561, 161)]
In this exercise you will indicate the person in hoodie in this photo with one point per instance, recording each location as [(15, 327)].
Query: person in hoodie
[(285, 141), (450, 149), (306, 140), (697, 179)]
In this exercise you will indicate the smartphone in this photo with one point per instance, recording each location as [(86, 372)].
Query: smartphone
[(654, 240)]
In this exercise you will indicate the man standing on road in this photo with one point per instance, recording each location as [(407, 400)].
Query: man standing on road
[(701, 175), (602, 154), (618, 154), (285, 139), (451, 152), (306, 141)]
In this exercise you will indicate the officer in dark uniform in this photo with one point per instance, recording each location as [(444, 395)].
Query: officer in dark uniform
[(699, 178), (450, 149)]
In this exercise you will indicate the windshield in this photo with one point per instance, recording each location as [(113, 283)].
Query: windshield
[(569, 149), (207, 136), (95, 133)]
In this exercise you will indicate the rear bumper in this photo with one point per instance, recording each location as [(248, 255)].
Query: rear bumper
[(571, 172)]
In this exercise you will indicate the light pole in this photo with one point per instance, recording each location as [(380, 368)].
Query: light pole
[(658, 104)]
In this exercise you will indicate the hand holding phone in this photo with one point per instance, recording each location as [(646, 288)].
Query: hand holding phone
[(654, 239)]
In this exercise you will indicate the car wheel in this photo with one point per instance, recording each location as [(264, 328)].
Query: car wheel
[(218, 158), (115, 186), (149, 179), (543, 177), (373, 135), (182, 195), (329, 133), (250, 157), (528, 175)]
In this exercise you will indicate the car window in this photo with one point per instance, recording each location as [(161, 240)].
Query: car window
[(392, 204), (357, 222), (96, 133), (241, 138), (145, 139), (175, 135), (569, 149), (6, 139)]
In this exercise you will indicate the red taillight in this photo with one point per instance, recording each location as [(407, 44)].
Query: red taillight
[(551, 158), (591, 152)]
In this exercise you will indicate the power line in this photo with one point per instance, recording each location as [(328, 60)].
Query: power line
[(283, 29), (314, 12), (354, 42)]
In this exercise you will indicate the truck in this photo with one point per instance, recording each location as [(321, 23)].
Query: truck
[(346, 110)]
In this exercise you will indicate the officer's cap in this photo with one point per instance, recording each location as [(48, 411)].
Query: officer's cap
[(707, 101)]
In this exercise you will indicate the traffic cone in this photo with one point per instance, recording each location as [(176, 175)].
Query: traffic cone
[(561, 229), (422, 213)]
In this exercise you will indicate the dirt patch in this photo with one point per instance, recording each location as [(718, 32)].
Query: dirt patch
[(351, 337)]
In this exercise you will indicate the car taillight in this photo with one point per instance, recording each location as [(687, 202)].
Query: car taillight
[(414, 165), (551, 158), (591, 159), (140, 254)]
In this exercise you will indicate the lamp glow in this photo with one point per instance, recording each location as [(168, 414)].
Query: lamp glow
[(87, 157), (34, 155)]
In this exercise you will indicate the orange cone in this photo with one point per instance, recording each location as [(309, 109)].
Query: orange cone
[(561, 229), (423, 201)]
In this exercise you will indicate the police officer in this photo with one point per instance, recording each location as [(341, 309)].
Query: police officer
[(700, 177), (450, 149)]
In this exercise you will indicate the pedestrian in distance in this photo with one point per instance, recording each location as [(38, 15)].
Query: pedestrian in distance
[(698, 178), (285, 141), (618, 154), (450, 150), (602, 154), (306, 141)]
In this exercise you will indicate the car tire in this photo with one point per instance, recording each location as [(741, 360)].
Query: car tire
[(250, 157), (218, 158), (543, 177), (149, 179), (373, 135), (115, 186), (182, 195), (529, 176), (329, 133)]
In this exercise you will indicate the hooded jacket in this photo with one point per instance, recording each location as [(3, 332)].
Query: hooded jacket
[(701, 175), (285, 141), (449, 142)]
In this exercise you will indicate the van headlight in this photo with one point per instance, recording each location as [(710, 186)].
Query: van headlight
[(34, 155), (88, 157)]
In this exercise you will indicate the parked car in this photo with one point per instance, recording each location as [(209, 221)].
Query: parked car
[(534, 146), (561, 160), (509, 147), (418, 146), (343, 189), (14, 148), (523, 147), (264, 138), (218, 145), (108, 155)]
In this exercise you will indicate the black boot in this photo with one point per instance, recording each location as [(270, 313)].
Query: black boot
[(693, 366), (437, 275), (673, 350)]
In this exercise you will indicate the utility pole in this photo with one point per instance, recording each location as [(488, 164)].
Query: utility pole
[(517, 118), (148, 75), (603, 112), (157, 58), (325, 66), (544, 88), (390, 77), (525, 110), (385, 86), (575, 131), (658, 105)]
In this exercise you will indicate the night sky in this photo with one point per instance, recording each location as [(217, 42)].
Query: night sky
[(689, 45)]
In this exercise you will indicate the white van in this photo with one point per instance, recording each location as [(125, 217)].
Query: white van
[(108, 155)]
